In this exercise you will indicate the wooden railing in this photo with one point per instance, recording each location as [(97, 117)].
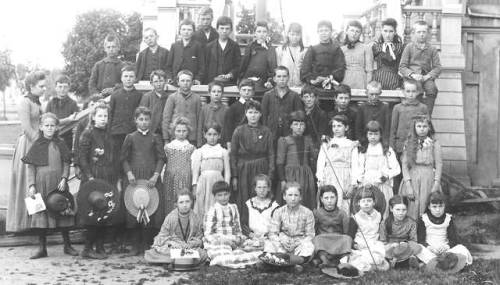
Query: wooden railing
[(432, 15), (373, 18)]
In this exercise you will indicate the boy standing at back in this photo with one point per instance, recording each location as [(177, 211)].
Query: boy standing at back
[(186, 54), (373, 110), (152, 58), (223, 56), (342, 107), (155, 100), (63, 107), (420, 61), (206, 33), (106, 73)]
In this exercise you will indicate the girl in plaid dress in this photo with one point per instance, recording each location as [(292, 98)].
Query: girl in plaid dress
[(223, 235)]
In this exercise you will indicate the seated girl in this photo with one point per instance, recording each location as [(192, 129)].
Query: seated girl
[(331, 241), (292, 227), (182, 228), (399, 233), (223, 235), (369, 252), (256, 213), (436, 231)]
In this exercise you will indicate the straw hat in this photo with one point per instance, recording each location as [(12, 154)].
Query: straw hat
[(403, 251), (448, 262), (139, 196)]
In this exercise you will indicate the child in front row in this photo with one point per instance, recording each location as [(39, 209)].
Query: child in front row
[(292, 228), (421, 165), (143, 158), (177, 175), (294, 156), (224, 238), (369, 252), (209, 164), (377, 163), (256, 213), (48, 168), (436, 231), (332, 224), (182, 228), (399, 230)]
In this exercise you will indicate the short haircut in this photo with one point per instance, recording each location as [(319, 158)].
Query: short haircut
[(253, 104), (307, 90), (185, 192), (212, 125), (292, 184), (128, 68), (421, 23), (215, 83), (224, 21), (141, 110), (206, 11), (151, 29), (185, 72), (187, 22), (49, 115), (374, 84), (343, 89), (325, 23), (355, 23), (181, 121), (63, 79), (261, 24), (112, 38), (220, 186), (160, 73), (282, 68), (412, 81), (390, 22), (33, 78), (246, 82)]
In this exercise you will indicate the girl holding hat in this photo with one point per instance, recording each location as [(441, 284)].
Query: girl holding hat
[(295, 155), (48, 168), (436, 231)]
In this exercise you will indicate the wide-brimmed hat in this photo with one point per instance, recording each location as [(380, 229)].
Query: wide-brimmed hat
[(342, 271), (380, 202), (139, 197), (98, 201), (403, 251), (60, 202), (448, 262)]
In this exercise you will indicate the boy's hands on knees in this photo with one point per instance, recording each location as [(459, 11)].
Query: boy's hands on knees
[(131, 178), (32, 191)]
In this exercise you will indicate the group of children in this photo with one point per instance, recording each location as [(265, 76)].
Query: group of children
[(347, 186)]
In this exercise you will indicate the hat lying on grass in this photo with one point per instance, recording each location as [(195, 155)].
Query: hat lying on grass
[(448, 262), (403, 251), (342, 271)]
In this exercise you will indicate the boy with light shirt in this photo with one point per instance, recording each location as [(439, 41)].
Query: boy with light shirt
[(420, 61), (186, 54), (154, 57), (223, 56)]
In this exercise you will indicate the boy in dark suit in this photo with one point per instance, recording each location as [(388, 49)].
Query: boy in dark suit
[(205, 33), (154, 57), (106, 73)]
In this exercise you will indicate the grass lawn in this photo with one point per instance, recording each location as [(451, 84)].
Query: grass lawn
[(480, 272)]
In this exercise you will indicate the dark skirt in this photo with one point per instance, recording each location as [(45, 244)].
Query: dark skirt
[(303, 175), (247, 170), (389, 79)]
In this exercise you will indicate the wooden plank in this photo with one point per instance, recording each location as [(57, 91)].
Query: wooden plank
[(454, 153), (448, 139), (449, 99), (448, 112), (449, 84), (449, 126)]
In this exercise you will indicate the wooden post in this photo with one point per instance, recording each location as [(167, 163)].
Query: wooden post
[(407, 31), (434, 29)]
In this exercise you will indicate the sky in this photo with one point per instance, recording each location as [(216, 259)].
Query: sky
[(34, 30)]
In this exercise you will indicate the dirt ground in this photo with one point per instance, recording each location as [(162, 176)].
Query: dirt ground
[(62, 269)]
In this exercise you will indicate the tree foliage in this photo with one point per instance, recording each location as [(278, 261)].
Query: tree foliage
[(7, 69), (84, 44)]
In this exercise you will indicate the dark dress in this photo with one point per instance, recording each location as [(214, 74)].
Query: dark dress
[(323, 59), (99, 166), (144, 155), (232, 119), (331, 231), (258, 61), (387, 65), (293, 160), (252, 153)]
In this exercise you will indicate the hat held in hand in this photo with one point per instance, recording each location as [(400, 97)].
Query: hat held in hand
[(97, 202), (60, 202), (141, 201)]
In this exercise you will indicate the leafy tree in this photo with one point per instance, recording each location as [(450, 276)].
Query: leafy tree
[(247, 22), (84, 44), (7, 71)]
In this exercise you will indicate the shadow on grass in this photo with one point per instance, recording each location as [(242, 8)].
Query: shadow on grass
[(481, 272)]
